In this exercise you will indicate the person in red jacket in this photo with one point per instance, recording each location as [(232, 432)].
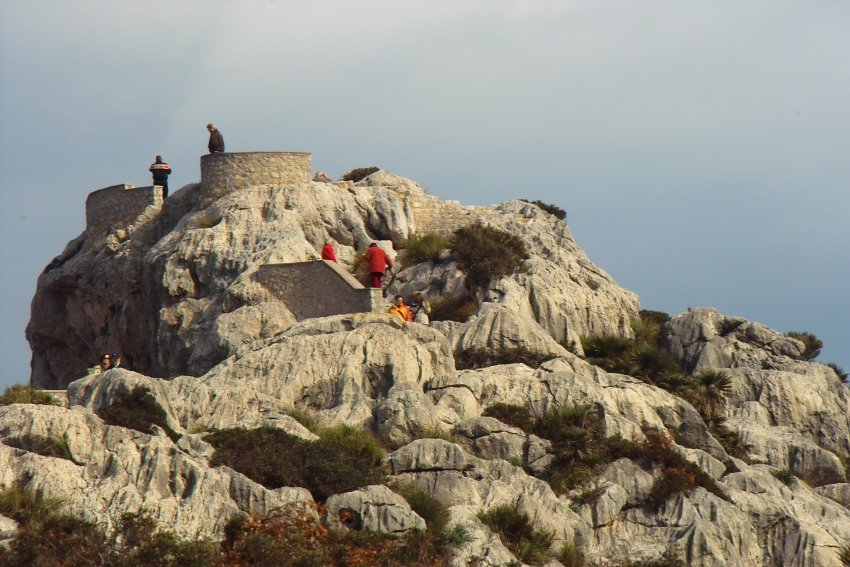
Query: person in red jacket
[(328, 251), (378, 263), (161, 171)]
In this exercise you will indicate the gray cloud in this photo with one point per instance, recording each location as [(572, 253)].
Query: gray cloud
[(700, 148)]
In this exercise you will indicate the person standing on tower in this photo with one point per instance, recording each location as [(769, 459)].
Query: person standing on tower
[(216, 143), (161, 171)]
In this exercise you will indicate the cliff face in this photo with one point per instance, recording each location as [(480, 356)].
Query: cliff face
[(176, 290)]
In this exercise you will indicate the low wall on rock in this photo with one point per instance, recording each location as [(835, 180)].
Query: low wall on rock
[(120, 205), (319, 288), (223, 173)]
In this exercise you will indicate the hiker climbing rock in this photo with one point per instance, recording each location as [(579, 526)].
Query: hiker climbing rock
[(161, 171), (216, 143), (378, 263)]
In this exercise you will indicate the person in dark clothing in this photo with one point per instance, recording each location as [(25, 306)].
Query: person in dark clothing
[(216, 143), (161, 171), (378, 262)]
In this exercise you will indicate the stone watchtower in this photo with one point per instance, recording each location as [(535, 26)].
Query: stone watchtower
[(224, 173)]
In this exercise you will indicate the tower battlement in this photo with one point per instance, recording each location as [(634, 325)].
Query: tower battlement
[(223, 173)]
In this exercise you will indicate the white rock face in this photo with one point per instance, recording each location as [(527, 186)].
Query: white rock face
[(375, 508), (117, 470), (177, 292)]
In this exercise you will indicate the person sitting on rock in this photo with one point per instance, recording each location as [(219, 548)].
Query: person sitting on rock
[(378, 263), (400, 310), (328, 251), (105, 364), (420, 309)]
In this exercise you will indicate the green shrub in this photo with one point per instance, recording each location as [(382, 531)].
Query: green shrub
[(785, 476), (571, 555), (471, 359), (458, 309), (731, 441), (459, 534), (137, 410), (712, 389), (344, 459), (434, 512), (44, 446), (844, 556), (838, 371), (292, 537), (812, 343), (425, 248), (360, 173), (20, 394), (484, 253), (24, 506), (306, 418), (549, 208), (514, 528), (589, 496), (48, 537), (517, 416)]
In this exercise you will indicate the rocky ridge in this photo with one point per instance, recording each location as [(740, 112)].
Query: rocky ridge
[(217, 350)]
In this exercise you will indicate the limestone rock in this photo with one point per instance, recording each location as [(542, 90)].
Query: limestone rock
[(8, 529), (703, 339), (485, 547), (837, 492), (375, 508), (117, 470), (496, 329), (489, 438)]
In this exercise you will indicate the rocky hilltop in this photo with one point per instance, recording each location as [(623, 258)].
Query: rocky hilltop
[(178, 288)]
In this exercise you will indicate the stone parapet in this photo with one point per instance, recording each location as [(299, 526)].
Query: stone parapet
[(120, 205), (224, 173), (319, 288)]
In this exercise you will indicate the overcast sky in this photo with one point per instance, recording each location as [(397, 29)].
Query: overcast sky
[(701, 149)]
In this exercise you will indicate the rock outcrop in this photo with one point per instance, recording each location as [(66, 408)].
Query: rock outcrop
[(176, 290)]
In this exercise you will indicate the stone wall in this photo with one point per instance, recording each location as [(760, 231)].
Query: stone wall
[(319, 288), (223, 173), (120, 205)]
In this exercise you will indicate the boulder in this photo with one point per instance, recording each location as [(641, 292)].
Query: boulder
[(375, 508)]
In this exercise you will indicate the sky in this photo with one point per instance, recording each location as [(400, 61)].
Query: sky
[(701, 149)]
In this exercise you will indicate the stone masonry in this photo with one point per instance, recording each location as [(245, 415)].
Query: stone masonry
[(120, 205), (319, 288), (223, 173)]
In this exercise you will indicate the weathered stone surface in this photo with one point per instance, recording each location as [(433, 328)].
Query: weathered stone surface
[(485, 547), (8, 529), (636, 482), (117, 470), (375, 508), (704, 339), (489, 438), (837, 492), (810, 400), (457, 479), (795, 525), (496, 328)]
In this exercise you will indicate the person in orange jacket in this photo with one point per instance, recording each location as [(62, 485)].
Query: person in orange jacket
[(378, 263), (400, 310)]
